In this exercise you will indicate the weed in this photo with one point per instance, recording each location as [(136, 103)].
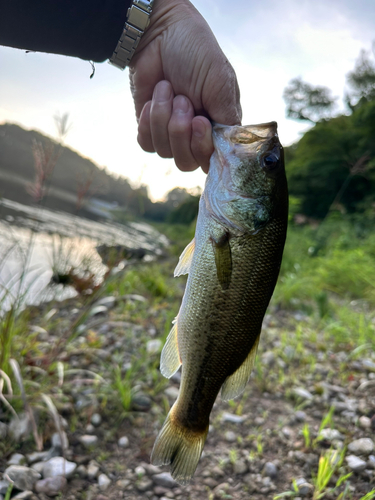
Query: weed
[(306, 435), (329, 463)]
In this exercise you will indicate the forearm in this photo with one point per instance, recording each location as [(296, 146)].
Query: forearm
[(89, 30)]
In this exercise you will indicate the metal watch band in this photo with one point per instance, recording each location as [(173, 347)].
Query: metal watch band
[(137, 20)]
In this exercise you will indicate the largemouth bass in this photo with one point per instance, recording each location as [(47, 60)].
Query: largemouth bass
[(233, 264)]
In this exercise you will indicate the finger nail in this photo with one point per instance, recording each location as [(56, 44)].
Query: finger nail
[(199, 129), (163, 92), (181, 104)]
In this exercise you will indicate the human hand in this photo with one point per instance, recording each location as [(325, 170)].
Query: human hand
[(179, 76)]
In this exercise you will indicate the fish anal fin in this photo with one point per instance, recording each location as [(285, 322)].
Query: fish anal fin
[(186, 257), (236, 383), (170, 360), (180, 447), (223, 260)]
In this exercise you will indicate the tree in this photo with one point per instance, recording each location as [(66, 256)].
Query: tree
[(361, 80), (306, 102)]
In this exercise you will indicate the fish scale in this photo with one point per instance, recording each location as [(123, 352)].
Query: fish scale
[(233, 264)]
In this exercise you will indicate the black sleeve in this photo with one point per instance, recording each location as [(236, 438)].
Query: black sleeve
[(89, 29)]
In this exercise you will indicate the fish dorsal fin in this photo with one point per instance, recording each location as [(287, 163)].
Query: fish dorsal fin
[(186, 257), (223, 260), (170, 360), (236, 383)]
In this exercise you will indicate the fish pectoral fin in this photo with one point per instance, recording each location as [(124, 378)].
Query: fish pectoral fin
[(236, 383), (170, 360), (186, 257), (180, 447), (223, 260)]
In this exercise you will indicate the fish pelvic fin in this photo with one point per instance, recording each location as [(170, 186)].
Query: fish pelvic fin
[(170, 360), (236, 383), (186, 257), (178, 447)]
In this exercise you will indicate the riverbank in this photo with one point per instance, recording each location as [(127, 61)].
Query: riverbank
[(304, 426)]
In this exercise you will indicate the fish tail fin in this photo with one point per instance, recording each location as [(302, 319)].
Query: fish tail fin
[(180, 447)]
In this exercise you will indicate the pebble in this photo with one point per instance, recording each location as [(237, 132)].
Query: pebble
[(230, 436), (51, 486), (153, 346), (60, 441), (361, 446), (239, 467), (123, 442), (37, 456), (300, 416), (16, 459), (270, 470), (172, 392), (234, 419), (356, 464), (58, 466), (4, 485), (88, 440), (268, 358), (371, 462), (365, 422), (103, 482), (92, 469), (96, 419), (109, 302), (38, 466), (141, 403), (82, 471), (144, 484), (123, 483), (23, 495), (164, 479), (23, 477), (300, 392), (304, 488), (90, 429), (330, 434), (3, 430)]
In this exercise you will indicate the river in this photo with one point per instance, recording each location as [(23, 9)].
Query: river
[(35, 242)]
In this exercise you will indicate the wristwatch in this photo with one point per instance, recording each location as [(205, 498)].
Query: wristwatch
[(137, 20)]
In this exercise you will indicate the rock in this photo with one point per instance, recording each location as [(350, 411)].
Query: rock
[(304, 488), (58, 466), (16, 459), (51, 486), (361, 446), (234, 419), (22, 477), (171, 392), (154, 346), (287, 432), (82, 471), (90, 429), (144, 484), (230, 436), (123, 483), (123, 442), (140, 471), (141, 402), (330, 434), (60, 442), (3, 430), (37, 456), (103, 482), (268, 358), (365, 422), (109, 302), (97, 310), (92, 469), (20, 427), (270, 470), (239, 467), (38, 466), (371, 462), (96, 419), (355, 464), (24, 495), (4, 485), (300, 416), (164, 479), (300, 392), (88, 440)]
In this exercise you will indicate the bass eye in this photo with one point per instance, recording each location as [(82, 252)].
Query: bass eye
[(270, 161)]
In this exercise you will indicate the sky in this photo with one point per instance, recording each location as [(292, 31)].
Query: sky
[(268, 43)]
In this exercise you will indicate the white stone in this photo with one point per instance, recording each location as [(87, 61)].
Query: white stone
[(300, 392), (22, 477), (355, 464), (92, 470), (88, 440), (171, 392), (16, 459), (60, 441), (103, 482), (365, 422), (58, 466), (361, 446), (330, 434), (123, 442), (154, 346)]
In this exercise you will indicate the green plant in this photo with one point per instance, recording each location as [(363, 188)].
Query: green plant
[(306, 435), (329, 463)]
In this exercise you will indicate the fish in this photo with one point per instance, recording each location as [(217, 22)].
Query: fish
[(232, 264)]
